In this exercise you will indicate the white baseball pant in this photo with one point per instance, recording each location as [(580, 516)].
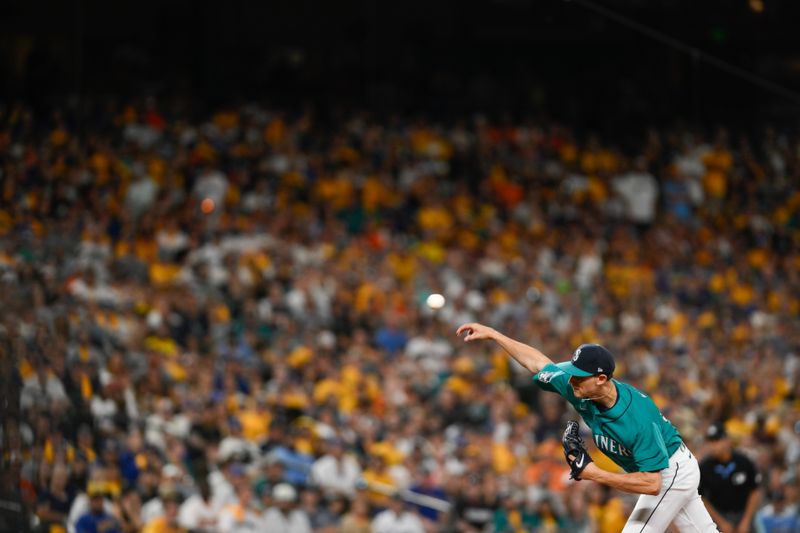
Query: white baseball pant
[(678, 502)]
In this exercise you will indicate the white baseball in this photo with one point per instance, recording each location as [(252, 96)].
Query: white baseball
[(435, 301)]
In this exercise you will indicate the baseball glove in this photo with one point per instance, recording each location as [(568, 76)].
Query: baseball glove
[(575, 450)]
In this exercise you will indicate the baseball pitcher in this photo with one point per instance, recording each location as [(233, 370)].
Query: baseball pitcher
[(627, 426)]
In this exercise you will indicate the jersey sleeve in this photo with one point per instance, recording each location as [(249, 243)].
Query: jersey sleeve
[(553, 379), (650, 453)]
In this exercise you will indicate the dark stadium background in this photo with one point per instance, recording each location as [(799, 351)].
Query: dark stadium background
[(550, 58)]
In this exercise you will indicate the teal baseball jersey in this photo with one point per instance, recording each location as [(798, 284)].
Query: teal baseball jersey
[(633, 433)]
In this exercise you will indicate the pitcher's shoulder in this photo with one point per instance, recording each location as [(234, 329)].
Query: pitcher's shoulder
[(637, 394)]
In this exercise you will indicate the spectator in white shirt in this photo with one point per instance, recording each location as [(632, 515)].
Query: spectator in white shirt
[(638, 191), (196, 513), (430, 349), (336, 471), (141, 194)]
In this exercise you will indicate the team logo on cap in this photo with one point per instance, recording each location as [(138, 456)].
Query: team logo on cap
[(577, 354)]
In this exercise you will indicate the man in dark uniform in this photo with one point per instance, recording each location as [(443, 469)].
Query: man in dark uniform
[(729, 483)]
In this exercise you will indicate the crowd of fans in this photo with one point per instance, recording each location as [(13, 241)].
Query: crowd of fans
[(219, 325)]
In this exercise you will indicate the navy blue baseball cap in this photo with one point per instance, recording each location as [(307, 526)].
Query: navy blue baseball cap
[(589, 360)]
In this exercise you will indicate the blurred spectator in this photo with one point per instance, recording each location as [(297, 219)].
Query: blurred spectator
[(357, 519), (285, 516), (154, 507), (97, 519), (336, 471), (243, 516), (196, 513), (141, 193), (396, 517), (272, 472), (96, 501), (608, 512), (168, 522), (43, 387), (324, 514), (513, 515), (391, 337), (576, 515), (430, 348), (549, 516), (211, 184), (54, 501), (130, 511), (780, 515), (638, 190), (474, 507), (428, 486)]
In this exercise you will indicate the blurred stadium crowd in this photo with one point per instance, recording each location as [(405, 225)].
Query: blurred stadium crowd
[(219, 325)]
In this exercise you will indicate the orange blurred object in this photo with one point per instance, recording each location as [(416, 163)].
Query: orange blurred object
[(207, 206)]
